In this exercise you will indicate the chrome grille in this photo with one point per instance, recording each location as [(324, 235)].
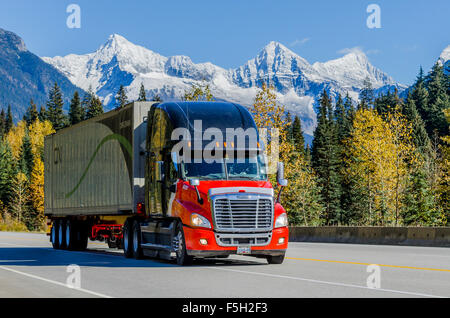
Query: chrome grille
[(234, 213)]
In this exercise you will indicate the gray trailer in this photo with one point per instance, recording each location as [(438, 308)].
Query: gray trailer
[(97, 167)]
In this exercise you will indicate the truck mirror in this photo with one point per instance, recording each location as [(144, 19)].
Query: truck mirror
[(194, 182), (280, 175), (160, 171)]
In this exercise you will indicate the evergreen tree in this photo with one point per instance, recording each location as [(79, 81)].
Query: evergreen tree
[(438, 101), (297, 136), (367, 95), (55, 108), (420, 136), (157, 98), (32, 114), (76, 111), (6, 171), (95, 108), (25, 164), (9, 120), (142, 96), (325, 159), (42, 114), (2, 123), (121, 97), (420, 97)]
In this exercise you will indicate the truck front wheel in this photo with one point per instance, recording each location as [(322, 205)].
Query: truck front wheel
[(180, 247), (137, 249), (275, 259), (127, 239)]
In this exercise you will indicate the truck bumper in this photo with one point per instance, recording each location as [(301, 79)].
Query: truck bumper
[(212, 249)]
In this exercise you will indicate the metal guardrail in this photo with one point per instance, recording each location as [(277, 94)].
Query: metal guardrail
[(419, 236)]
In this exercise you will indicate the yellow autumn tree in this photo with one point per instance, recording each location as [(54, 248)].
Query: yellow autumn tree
[(404, 155), (300, 196), (370, 166), (15, 137), (444, 162), (36, 194), (37, 131)]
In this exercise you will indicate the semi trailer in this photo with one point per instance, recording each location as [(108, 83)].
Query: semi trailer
[(137, 177)]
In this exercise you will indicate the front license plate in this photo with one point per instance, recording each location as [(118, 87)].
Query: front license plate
[(243, 250)]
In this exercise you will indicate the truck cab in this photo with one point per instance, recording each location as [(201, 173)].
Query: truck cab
[(207, 192)]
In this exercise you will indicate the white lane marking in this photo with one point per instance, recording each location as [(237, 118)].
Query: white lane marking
[(54, 282), (17, 245), (328, 283)]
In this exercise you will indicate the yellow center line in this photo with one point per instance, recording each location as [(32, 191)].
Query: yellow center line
[(366, 264)]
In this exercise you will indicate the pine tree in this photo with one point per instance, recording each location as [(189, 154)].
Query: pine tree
[(438, 101), (367, 95), (325, 156), (95, 108), (420, 97), (2, 123), (76, 111), (420, 136), (297, 136), (42, 114), (25, 164), (9, 120), (55, 108), (6, 171), (142, 96), (157, 98), (32, 114), (121, 97)]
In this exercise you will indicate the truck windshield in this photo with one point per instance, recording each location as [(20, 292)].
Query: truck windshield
[(249, 168)]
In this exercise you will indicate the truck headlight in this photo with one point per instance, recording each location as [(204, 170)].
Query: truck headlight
[(199, 221), (281, 221)]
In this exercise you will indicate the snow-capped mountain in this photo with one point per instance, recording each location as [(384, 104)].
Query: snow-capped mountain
[(298, 83), (24, 76), (444, 59)]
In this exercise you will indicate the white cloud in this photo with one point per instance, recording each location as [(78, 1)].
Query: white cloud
[(299, 42), (358, 49)]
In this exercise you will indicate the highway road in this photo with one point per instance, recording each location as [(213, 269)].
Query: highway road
[(29, 267)]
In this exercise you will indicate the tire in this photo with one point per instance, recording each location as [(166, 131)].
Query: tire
[(81, 236), (54, 234), (62, 234), (127, 239), (183, 258), (275, 259), (71, 235), (110, 243), (137, 249)]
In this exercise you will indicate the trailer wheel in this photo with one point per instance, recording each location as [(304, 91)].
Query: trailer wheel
[(137, 249), (180, 247), (54, 234), (127, 239), (80, 236), (62, 234), (275, 259), (71, 234)]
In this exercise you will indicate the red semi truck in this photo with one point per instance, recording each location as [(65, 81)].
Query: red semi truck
[(137, 177)]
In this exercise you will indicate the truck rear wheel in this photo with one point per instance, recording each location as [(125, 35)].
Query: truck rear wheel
[(54, 234), (180, 244), (137, 249), (62, 234), (71, 236), (127, 239), (275, 259)]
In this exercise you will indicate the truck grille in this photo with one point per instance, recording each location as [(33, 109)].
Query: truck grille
[(243, 214)]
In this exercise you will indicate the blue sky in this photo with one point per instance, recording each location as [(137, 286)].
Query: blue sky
[(230, 32)]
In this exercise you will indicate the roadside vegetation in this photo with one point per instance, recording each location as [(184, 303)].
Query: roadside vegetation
[(382, 161)]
